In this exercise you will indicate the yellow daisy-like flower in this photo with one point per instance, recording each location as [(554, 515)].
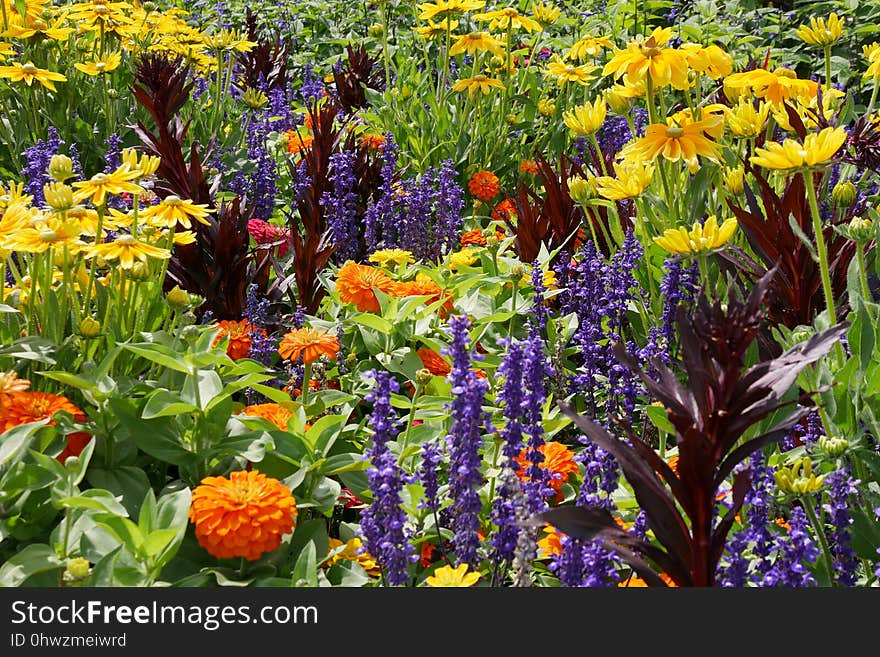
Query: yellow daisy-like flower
[(478, 83), (464, 258), (872, 54), (565, 73), (98, 186), (649, 59), (476, 42), (100, 65), (433, 30), (587, 118), (173, 210), (102, 15), (509, 18), (588, 46), (820, 32), (816, 150), (447, 576), (28, 72), (145, 166), (6, 49), (42, 233), (385, 257), (702, 238), (709, 60), (229, 40), (546, 14), (126, 249), (674, 142), (446, 7), (630, 179), (746, 120), (774, 86)]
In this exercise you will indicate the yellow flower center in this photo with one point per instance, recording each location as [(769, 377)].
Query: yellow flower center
[(100, 66), (100, 9), (100, 178), (570, 69), (674, 132), (48, 235), (28, 68), (39, 24), (172, 200), (126, 240)]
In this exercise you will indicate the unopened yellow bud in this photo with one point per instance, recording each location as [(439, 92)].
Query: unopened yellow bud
[(58, 196), (844, 193), (733, 180), (77, 568), (547, 107), (89, 327), (61, 167), (833, 445), (178, 297), (582, 190)]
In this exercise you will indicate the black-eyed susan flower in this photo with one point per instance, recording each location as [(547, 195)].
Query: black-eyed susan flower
[(126, 249), (649, 59), (28, 72), (229, 40), (588, 47), (98, 186), (433, 30), (820, 32), (173, 210), (447, 576), (100, 65), (509, 19), (747, 118), (817, 150), (478, 84), (709, 60), (564, 73), (103, 15), (145, 165), (630, 179), (774, 86), (585, 119), (475, 42), (546, 14), (674, 142), (702, 238), (443, 8)]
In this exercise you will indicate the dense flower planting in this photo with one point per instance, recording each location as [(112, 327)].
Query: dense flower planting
[(441, 294)]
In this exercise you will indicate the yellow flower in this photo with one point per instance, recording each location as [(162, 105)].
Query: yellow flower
[(146, 166), (746, 120), (101, 184), (463, 258), (775, 86), (476, 84), (546, 107), (565, 73), (445, 7), (102, 15), (29, 72), (702, 238), (816, 150), (712, 116), (43, 233), (872, 54), (545, 13), (173, 210), (821, 33), (432, 30), (588, 46), (504, 19), (674, 142), (733, 179), (229, 40), (475, 42), (14, 194), (447, 576), (710, 60), (649, 59), (126, 249), (587, 118), (100, 65), (6, 49), (631, 179), (384, 257)]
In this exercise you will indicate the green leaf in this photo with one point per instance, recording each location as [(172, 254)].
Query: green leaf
[(123, 530), (159, 354), (860, 336), (160, 437), (345, 463), (658, 417), (33, 559), (209, 387), (323, 433), (95, 499), (164, 403), (31, 348), (156, 541), (128, 481), (305, 571), (15, 441), (374, 322)]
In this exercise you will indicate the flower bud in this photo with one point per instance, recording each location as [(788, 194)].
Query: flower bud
[(58, 196), (844, 193), (861, 229), (61, 167), (376, 30), (733, 180), (77, 568), (798, 479), (255, 99), (140, 271), (492, 241), (89, 327), (582, 190), (190, 332), (178, 297), (424, 376), (546, 107), (833, 445), (618, 103)]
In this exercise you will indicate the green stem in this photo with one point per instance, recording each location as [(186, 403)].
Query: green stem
[(385, 45), (820, 536), (873, 96), (827, 69), (821, 248), (409, 423), (863, 274), (304, 388)]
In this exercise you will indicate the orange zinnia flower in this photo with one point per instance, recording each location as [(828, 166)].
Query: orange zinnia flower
[(528, 166), (504, 211), (310, 343), (239, 334), (275, 413), (17, 408), (551, 544), (422, 286), (558, 461), (434, 362), (297, 143), (635, 582), (373, 141), (244, 515), (484, 185), (355, 284)]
